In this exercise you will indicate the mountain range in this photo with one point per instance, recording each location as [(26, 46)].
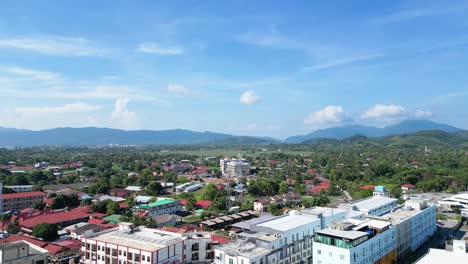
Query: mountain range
[(10, 137)]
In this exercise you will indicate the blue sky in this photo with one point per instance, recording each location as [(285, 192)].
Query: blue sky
[(270, 68)]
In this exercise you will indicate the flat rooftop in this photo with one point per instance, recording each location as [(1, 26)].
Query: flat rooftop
[(288, 222), (246, 224), (141, 238), (350, 234), (373, 202), (244, 248), (325, 211)]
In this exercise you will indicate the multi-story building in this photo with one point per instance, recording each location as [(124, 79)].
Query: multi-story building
[(237, 168), (161, 206), (415, 222), (20, 188), (457, 254), (132, 245), (375, 205), (20, 201), (284, 240), (197, 244), (22, 252), (364, 242)]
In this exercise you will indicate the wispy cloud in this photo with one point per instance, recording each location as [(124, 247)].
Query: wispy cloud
[(383, 112), (155, 48), (419, 12), (179, 89), (34, 74), (53, 45), (78, 107), (341, 62)]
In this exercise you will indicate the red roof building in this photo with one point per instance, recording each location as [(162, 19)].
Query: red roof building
[(408, 187), (365, 187), (22, 200), (203, 204), (62, 218)]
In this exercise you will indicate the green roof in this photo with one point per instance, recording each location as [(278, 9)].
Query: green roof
[(157, 203), (199, 211), (113, 218)]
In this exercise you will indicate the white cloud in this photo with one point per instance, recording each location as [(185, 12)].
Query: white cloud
[(380, 111), (249, 97), (341, 62), (53, 45), (123, 117), (423, 113), (78, 107), (155, 48), (252, 126), (179, 89), (34, 74), (327, 116)]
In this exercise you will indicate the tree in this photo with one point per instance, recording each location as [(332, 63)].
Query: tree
[(283, 187), (153, 188), (40, 205), (46, 231), (210, 192), (13, 227), (113, 208), (100, 207), (62, 201), (191, 203)]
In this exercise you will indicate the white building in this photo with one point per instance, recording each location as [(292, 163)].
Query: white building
[(375, 205), (283, 240), (237, 168), (459, 200), (381, 191), (161, 206), (22, 252), (458, 254), (366, 242), (20, 188), (197, 245), (415, 222), (326, 215), (234, 167), (129, 245)]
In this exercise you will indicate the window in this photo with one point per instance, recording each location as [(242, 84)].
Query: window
[(319, 251), (341, 257), (143, 257), (231, 261), (330, 254)]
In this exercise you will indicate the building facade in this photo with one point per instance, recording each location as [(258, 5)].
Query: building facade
[(160, 207), (22, 252), (237, 168), (20, 201), (365, 243), (131, 245)]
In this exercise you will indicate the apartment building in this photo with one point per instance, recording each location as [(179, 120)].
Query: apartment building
[(132, 245), (234, 167), (22, 252), (20, 188), (415, 222), (365, 242), (20, 201), (284, 240), (160, 207)]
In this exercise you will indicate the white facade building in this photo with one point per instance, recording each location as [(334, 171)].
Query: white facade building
[(22, 252), (237, 168), (161, 206), (131, 245), (364, 243), (459, 200), (20, 188), (375, 205), (282, 240)]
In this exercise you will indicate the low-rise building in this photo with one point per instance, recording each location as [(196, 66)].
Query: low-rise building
[(458, 254), (130, 244), (160, 207), (381, 191), (20, 188), (22, 252), (286, 199)]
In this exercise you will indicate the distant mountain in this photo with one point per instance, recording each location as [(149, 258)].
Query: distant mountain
[(425, 138), (105, 136), (404, 127)]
